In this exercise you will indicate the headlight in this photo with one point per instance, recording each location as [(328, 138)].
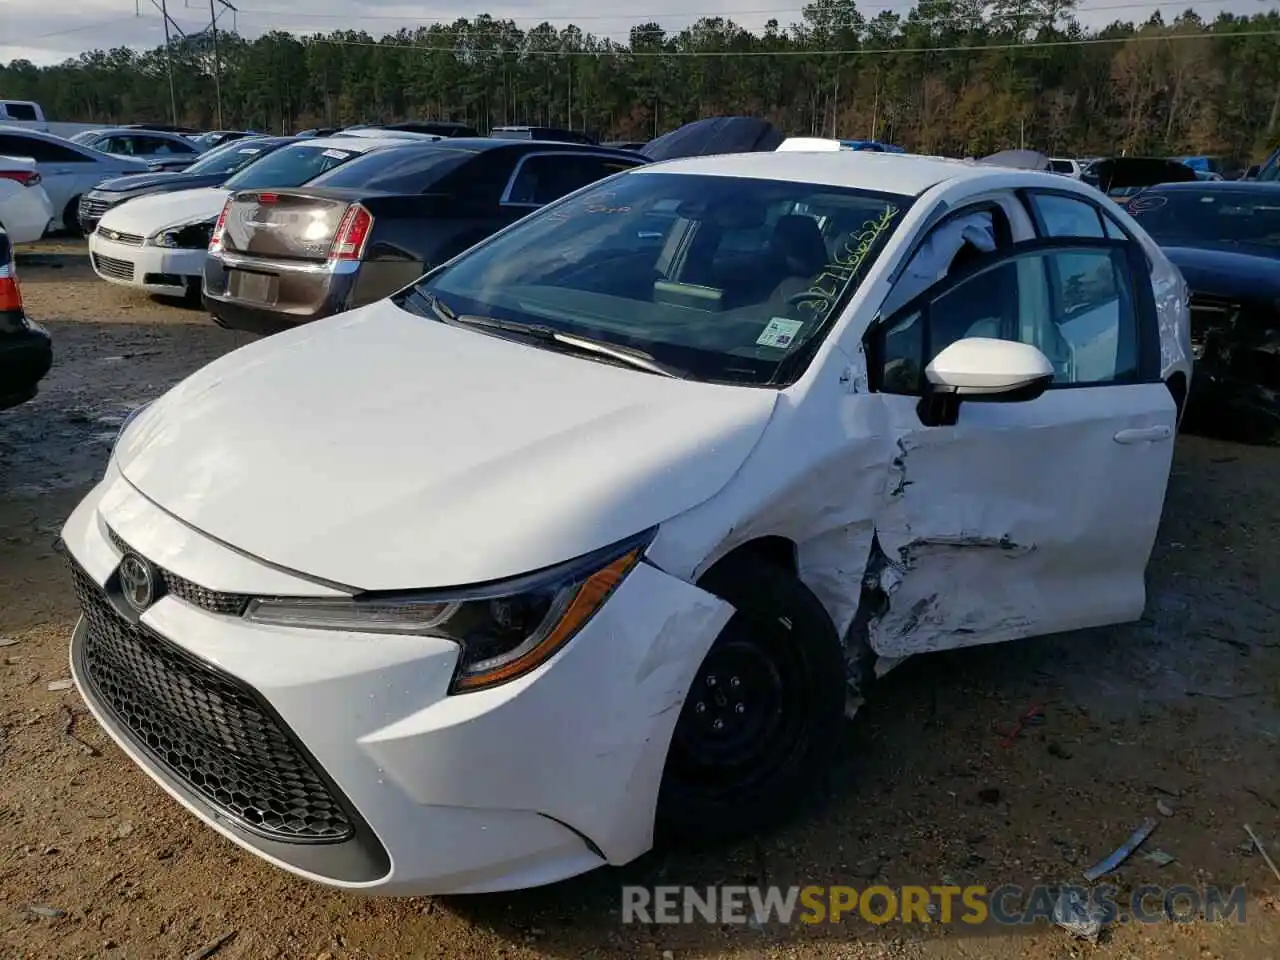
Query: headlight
[(504, 629), (191, 236)]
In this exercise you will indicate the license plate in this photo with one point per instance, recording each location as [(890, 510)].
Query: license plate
[(258, 287)]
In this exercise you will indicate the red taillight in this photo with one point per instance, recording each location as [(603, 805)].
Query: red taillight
[(353, 232), (10, 295), (215, 238), (28, 178), (268, 198)]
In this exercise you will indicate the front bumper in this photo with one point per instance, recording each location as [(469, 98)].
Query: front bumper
[(25, 358), (540, 779), (162, 271)]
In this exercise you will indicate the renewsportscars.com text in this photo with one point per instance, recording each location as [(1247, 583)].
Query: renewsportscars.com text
[(1009, 905)]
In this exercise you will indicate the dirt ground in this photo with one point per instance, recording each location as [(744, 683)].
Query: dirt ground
[(1180, 710)]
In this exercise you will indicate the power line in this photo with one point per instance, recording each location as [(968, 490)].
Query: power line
[(253, 12), (806, 51)]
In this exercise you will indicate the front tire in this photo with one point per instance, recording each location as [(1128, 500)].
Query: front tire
[(763, 715)]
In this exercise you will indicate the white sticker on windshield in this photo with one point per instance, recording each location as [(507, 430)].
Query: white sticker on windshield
[(779, 332), (336, 154), (251, 150)]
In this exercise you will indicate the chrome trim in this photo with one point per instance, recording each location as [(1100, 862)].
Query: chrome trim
[(237, 261)]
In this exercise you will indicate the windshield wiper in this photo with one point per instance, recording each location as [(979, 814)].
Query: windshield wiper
[(547, 334)]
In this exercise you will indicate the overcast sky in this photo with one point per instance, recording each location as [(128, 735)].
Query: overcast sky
[(49, 31)]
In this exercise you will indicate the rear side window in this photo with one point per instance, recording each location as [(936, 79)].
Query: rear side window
[(1066, 217), (414, 170), (543, 178), (41, 151), (290, 167), (21, 111)]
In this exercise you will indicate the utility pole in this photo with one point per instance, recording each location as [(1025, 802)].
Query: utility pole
[(217, 63), (168, 61)]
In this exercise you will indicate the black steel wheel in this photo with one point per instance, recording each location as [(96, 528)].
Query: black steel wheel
[(762, 714)]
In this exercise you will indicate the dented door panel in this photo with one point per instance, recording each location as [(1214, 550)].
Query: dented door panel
[(1022, 519)]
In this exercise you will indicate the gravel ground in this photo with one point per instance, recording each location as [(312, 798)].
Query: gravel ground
[(1182, 708)]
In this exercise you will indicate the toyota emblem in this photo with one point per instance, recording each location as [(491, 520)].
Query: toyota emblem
[(137, 582)]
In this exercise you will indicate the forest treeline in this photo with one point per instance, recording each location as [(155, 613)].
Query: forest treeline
[(951, 76)]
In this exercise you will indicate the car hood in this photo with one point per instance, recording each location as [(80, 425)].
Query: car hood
[(139, 183), (380, 450), (1232, 271), (147, 214)]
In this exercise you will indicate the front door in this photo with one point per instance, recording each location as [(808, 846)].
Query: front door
[(1024, 518)]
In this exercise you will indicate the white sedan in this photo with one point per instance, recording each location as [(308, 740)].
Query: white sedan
[(603, 527), (158, 243)]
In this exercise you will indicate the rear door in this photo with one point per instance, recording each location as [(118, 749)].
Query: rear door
[(1018, 519)]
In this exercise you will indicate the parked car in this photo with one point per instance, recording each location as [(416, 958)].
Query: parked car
[(26, 352), (160, 149), (25, 210), (359, 233), (542, 133), (318, 132), (217, 138), (158, 243), (594, 532), (164, 128), (66, 169), (1122, 178), (715, 135), (1225, 238), (1067, 167), (211, 170)]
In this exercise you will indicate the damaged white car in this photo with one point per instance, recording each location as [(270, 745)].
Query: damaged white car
[(603, 527)]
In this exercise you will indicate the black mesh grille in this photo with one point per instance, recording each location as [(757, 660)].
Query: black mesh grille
[(232, 604), (205, 728), (111, 267), (93, 208)]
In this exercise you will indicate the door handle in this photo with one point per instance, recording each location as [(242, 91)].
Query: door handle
[(1144, 434)]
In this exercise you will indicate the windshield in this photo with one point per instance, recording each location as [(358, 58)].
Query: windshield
[(290, 166), (1210, 216), (228, 158), (726, 279), (85, 137)]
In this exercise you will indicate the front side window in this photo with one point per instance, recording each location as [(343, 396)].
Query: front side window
[(725, 279), (289, 167), (1207, 215), (1075, 304)]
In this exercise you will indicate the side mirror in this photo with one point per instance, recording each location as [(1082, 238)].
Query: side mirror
[(992, 371)]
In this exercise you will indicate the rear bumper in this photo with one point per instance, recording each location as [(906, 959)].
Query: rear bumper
[(298, 292), (25, 358), (26, 214)]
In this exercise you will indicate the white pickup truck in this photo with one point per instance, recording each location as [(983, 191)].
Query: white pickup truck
[(27, 113)]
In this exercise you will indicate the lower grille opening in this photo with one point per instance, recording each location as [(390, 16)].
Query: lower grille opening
[(206, 729)]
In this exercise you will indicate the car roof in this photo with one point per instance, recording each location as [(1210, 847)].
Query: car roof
[(355, 144), (485, 144), (137, 132), (1219, 186), (901, 173)]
